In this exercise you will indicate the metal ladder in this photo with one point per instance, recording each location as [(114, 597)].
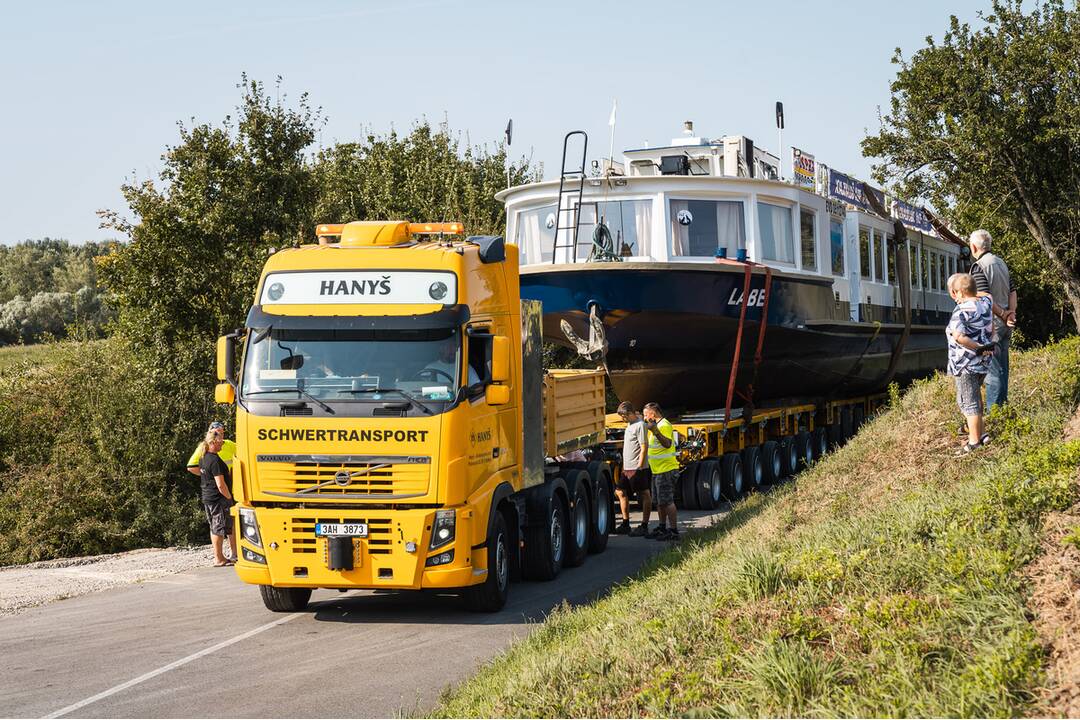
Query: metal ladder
[(566, 195)]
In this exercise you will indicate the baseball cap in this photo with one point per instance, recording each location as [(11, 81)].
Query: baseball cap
[(216, 425)]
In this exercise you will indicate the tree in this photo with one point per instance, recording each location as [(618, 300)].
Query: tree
[(985, 125)]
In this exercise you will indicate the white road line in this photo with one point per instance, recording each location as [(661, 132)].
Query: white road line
[(172, 666)]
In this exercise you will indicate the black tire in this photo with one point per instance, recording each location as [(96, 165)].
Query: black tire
[(820, 440), (732, 471), (490, 595), (753, 468), (836, 433), (545, 544), (688, 485), (804, 449), (710, 485), (789, 458), (772, 468), (579, 528), (285, 599), (603, 511), (847, 427)]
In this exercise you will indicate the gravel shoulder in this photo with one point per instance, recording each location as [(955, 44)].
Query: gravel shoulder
[(26, 586)]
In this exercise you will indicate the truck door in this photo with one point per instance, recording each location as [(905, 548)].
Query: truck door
[(484, 436)]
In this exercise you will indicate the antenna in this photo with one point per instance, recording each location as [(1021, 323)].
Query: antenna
[(509, 136), (780, 135), (611, 122)]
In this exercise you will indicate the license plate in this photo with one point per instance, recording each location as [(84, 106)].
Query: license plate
[(341, 529)]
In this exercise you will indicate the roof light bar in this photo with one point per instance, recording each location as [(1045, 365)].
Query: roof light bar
[(446, 228)]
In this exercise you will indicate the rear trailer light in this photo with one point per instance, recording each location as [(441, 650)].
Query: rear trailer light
[(249, 527), (442, 533), (252, 556), (441, 559)]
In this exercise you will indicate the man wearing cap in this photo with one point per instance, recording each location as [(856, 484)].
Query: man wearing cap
[(228, 450)]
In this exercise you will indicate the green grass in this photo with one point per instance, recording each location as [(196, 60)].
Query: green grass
[(885, 581), (32, 354)]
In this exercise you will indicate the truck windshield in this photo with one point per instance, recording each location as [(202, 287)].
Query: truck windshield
[(353, 365)]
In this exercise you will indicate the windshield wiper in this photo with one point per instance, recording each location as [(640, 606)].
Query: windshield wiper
[(297, 390), (408, 396)]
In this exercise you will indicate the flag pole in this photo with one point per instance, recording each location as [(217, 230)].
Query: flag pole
[(611, 144)]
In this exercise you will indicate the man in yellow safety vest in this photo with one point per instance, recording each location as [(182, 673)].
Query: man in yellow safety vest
[(665, 470)]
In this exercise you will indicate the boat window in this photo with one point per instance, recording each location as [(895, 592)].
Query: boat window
[(952, 265), (924, 269), (888, 261), (774, 228), (628, 222), (865, 268), (881, 250), (535, 234), (933, 270), (700, 227), (836, 246), (808, 239), (913, 264), (941, 273)]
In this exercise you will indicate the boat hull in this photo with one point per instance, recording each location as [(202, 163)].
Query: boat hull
[(672, 329)]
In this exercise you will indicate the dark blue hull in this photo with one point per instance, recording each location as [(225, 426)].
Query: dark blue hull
[(671, 332)]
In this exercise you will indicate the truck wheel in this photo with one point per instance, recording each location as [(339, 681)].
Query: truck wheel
[(753, 467), (491, 594), (710, 488), (285, 599), (580, 526), (546, 542), (770, 462), (602, 511), (789, 459), (732, 468), (688, 486), (821, 443), (804, 450)]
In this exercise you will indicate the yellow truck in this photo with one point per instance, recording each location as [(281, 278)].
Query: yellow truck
[(395, 427)]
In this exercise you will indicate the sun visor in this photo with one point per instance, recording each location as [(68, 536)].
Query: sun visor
[(450, 316)]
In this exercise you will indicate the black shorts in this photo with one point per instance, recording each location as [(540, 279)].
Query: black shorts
[(641, 481), (217, 514)]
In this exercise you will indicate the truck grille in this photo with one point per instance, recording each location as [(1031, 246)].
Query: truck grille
[(367, 477), (303, 541)]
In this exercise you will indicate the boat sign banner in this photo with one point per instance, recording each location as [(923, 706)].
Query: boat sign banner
[(912, 216), (850, 190), (804, 166), (354, 287)]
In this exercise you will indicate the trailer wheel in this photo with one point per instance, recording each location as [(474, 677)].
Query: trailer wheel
[(710, 485), (836, 434), (771, 466), (846, 426), (546, 542), (821, 443), (688, 485), (285, 599), (789, 459), (579, 528), (732, 468), (753, 467), (804, 449), (858, 417), (603, 511), (491, 594)]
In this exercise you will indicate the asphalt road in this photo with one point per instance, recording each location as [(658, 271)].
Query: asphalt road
[(200, 644)]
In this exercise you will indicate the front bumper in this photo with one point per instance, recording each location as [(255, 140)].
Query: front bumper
[(295, 557)]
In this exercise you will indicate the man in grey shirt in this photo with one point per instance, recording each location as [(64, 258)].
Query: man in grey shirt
[(635, 476), (992, 277)]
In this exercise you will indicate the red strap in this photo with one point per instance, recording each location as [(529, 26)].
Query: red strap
[(738, 347)]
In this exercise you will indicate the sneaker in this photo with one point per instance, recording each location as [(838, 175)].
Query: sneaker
[(672, 536), (623, 528), (641, 530), (985, 439), (658, 534), (966, 449)]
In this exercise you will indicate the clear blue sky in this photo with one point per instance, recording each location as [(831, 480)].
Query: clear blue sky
[(93, 90)]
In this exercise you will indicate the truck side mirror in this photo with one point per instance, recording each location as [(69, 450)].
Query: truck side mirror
[(224, 393), (500, 359), (497, 394), (226, 369)]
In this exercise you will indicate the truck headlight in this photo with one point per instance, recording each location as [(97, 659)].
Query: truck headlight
[(249, 527), (442, 533), (443, 558), (252, 556)]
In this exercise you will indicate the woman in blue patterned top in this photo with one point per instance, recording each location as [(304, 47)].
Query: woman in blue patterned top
[(970, 335)]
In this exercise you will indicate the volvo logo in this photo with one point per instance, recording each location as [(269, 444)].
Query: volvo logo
[(342, 478)]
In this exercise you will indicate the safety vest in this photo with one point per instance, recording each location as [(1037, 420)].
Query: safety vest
[(662, 459)]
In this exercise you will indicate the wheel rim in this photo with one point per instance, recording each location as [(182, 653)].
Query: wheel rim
[(581, 522), (759, 471), (737, 479), (502, 563), (793, 456), (556, 536), (602, 511), (776, 464), (715, 488)]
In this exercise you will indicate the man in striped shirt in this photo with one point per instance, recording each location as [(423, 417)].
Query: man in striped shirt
[(992, 278)]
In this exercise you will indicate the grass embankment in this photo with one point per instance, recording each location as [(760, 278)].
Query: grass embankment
[(885, 581), (31, 354)]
